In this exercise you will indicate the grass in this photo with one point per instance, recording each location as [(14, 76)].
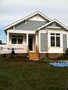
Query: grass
[(29, 75)]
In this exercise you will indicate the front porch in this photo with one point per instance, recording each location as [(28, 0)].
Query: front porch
[(22, 39), (27, 41)]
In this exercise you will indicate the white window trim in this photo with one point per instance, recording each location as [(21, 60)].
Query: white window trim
[(55, 39), (17, 39)]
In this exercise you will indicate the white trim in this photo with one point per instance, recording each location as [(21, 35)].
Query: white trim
[(67, 40), (49, 27), (21, 31), (27, 39), (31, 15), (39, 41), (43, 52), (55, 39), (7, 38), (55, 50), (36, 39)]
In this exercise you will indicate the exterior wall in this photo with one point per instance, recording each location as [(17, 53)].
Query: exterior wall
[(54, 55), (40, 42), (49, 55), (42, 55), (43, 38)]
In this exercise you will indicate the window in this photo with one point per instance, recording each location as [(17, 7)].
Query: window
[(58, 41), (55, 39), (52, 41), (17, 39), (20, 39), (14, 40)]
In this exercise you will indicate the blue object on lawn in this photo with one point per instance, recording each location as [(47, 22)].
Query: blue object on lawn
[(59, 64)]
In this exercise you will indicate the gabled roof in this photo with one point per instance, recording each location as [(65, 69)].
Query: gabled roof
[(31, 15), (54, 20)]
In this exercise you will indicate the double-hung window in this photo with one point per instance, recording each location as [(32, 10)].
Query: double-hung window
[(17, 39), (14, 39), (20, 39), (55, 39)]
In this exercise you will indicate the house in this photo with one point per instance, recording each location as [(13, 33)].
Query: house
[(37, 35)]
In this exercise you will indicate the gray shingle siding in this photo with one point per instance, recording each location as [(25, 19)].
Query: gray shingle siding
[(29, 25), (64, 42), (43, 41)]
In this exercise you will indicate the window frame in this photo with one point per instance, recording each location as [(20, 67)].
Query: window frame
[(17, 39), (56, 43), (20, 38), (13, 37)]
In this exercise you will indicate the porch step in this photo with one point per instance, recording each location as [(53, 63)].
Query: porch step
[(33, 56)]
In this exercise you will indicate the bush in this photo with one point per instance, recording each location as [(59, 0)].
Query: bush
[(46, 60), (4, 55), (13, 52), (66, 52), (64, 56)]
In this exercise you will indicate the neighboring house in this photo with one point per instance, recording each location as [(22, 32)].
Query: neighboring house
[(37, 35)]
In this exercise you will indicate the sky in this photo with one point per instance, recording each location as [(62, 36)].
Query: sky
[(12, 10)]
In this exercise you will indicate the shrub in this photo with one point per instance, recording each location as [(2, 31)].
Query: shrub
[(13, 52), (4, 55), (46, 60), (66, 52), (64, 56)]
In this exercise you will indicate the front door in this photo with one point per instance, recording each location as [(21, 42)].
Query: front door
[(30, 43)]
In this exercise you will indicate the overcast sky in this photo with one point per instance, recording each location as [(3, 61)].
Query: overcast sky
[(12, 10)]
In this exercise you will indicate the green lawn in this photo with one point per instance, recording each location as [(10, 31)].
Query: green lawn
[(29, 75)]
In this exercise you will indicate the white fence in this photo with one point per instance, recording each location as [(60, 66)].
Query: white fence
[(6, 49)]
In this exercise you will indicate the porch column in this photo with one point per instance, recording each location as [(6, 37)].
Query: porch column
[(36, 39), (27, 39), (7, 38)]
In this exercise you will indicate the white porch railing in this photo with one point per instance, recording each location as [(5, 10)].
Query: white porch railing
[(18, 48)]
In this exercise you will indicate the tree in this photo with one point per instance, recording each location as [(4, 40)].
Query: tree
[(0, 41)]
